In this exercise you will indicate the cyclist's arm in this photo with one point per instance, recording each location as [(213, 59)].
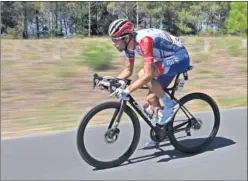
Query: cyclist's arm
[(129, 63), (147, 48)]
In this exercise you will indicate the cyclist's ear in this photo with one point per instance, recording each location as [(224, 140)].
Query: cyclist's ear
[(129, 36)]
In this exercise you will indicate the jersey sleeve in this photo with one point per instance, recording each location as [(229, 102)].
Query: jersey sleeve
[(146, 46)]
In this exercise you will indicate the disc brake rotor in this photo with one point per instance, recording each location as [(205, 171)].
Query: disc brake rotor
[(111, 135)]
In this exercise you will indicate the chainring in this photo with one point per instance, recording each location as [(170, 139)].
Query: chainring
[(160, 135)]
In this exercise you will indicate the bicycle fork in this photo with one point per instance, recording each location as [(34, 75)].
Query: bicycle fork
[(118, 114)]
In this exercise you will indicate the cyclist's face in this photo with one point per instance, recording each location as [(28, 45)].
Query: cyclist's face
[(119, 43)]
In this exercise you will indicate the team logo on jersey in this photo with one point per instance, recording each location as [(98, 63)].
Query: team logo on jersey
[(176, 59)]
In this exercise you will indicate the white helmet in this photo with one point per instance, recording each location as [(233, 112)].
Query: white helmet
[(120, 27)]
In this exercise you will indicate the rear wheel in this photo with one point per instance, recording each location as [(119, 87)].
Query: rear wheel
[(110, 136), (194, 123)]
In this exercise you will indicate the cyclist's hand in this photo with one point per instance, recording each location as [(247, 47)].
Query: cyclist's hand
[(122, 94)]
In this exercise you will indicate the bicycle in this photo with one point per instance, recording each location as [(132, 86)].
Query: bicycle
[(157, 133)]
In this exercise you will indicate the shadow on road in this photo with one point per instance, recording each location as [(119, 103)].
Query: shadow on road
[(219, 142)]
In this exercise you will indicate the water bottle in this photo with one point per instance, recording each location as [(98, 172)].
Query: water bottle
[(180, 85)]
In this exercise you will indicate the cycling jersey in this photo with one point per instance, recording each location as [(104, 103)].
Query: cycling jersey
[(156, 46), (155, 43)]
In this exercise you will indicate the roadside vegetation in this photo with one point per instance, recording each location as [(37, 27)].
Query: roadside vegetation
[(47, 85)]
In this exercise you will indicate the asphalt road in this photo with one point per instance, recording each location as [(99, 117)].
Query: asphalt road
[(55, 157)]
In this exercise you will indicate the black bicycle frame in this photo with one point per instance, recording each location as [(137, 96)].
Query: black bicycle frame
[(139, 109)]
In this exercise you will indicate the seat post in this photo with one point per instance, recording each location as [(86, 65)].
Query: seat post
[(172, 89)]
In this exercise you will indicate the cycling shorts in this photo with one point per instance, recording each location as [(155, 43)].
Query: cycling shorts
[(170, 66)]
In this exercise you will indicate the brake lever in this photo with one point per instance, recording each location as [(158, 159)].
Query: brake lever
[(94, 82), (96, 78)]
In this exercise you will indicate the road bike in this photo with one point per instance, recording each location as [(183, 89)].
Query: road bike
[(157, 133)]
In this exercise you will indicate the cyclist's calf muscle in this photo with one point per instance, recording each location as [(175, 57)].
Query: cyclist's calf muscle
[(154, 90)]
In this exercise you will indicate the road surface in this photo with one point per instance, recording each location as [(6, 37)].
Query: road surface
[(54, 156)]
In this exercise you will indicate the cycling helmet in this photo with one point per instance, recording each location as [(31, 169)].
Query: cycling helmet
[(120, 27)]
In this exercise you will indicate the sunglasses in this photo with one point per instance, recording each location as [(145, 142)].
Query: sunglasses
[(114, 40)]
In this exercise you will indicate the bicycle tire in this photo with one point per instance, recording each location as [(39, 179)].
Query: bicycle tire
[(81, 129), (209, 139)]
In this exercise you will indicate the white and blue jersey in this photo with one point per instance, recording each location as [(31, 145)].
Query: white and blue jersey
[(166, 51)]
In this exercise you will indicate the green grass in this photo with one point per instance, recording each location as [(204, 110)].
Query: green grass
[(65, 71), (200, 57), (233, 46), (242, 65), (195, 44), (96, 55), (233, 100), (7, 36), (57, 111), (209, 72)]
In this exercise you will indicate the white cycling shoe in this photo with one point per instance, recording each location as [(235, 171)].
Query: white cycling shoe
[(150, 144), (168, 113)]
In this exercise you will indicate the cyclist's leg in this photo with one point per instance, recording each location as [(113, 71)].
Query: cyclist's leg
[(158, 84), (151, 97), (162, 81), (171, 66), (168, 69)]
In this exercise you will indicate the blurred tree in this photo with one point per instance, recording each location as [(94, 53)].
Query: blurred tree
[(153, 10), (237, 20), (57, 18), (9, 15)]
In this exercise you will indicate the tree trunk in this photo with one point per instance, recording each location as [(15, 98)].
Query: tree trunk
[(126, 9), (65, 24), (61, 21), (96, 21), (150, 19), (76, 26), (37, 24), (56, 18), (89, 21), (137, 15), (25, 32)]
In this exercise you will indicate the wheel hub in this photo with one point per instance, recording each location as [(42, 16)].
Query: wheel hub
[(197, 124), (111, 135)]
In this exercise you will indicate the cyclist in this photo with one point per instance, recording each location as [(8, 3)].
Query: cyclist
[(164, 57)]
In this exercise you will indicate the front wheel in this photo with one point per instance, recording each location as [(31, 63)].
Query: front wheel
[(195, 119), (110, 135)]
